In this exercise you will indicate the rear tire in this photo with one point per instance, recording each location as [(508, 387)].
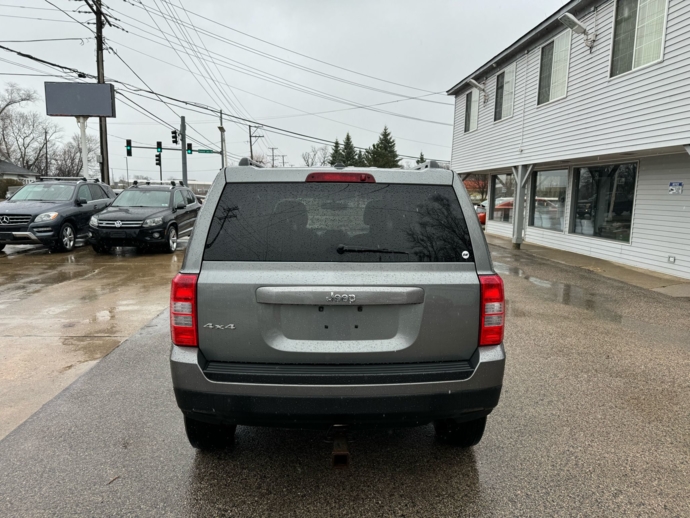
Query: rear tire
[(206, 436), (463, 434)]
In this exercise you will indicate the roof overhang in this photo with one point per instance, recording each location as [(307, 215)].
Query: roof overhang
[(525, 43)]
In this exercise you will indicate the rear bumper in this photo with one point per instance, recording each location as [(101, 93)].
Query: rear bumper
[(315, 406)]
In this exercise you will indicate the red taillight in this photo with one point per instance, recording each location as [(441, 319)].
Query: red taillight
[(492, 311), (183, 326), (341, 177)]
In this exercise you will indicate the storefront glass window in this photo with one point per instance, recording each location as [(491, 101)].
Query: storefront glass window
[(604, 198), (502, 199), (548, 199)]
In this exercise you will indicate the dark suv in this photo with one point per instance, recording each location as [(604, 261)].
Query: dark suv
[(146, 216), (52, 211)]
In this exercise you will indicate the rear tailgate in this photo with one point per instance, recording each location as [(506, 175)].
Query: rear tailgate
[(338, 273)]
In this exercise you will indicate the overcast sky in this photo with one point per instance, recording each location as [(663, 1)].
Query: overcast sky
[(424, 46)]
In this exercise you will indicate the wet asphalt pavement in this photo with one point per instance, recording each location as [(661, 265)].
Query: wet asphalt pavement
[(62, 312), (594, 420)]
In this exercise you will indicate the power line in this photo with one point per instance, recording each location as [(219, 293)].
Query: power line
[(275, 129), (48, 39), (310, 57), (290, 63)]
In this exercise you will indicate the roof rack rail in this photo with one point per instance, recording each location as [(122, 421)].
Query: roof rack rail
[(63, 178), (429, 164), (248, 161)]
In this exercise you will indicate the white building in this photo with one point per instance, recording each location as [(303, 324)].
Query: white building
[(587, 136)]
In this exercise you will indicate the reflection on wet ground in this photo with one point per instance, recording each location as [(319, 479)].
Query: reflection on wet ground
[(561, 293), (61, 312)]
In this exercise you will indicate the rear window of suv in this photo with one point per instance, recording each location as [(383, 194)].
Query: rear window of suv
[(336, 222)]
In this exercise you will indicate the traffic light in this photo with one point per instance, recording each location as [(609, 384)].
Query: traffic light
[(128, 146), (189, 149), (174, 136), (159, 147), (158, 159)]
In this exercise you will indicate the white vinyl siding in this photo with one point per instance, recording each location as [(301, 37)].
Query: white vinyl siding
[(645, 110), (505, 93), (639, 27), (471, 110), (553, 69)]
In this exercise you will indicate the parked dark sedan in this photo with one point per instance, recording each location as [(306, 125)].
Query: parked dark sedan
[(146, 216), (52, 211)]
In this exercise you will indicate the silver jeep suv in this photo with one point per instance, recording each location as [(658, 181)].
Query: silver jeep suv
[(336, 296)]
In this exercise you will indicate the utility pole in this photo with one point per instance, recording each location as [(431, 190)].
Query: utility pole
[(251, 141), (283, 157), (273, 156), (103, 125), (183, 141), (223, 157)]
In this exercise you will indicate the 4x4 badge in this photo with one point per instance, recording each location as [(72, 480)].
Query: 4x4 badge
[(218, 326)]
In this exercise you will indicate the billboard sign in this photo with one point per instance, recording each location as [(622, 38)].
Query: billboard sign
[(80, 100)]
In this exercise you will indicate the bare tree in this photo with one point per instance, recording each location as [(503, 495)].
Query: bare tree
[(67, 160), (261, 158), (24, 137), (316, 156), (478, 184), (15, 95)]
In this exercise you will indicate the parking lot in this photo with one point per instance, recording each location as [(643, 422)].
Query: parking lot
[(593, 419), (60, 313)]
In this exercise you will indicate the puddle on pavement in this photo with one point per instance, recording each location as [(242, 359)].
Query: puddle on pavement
[(562, 293)]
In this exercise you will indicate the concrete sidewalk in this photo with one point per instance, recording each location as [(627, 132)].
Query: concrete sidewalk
[(659, 282)]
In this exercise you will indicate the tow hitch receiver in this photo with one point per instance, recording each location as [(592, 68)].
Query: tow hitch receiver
[(340, 458)]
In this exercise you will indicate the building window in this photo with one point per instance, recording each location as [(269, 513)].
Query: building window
[(547, 209), (553, 68), (471, 110), (638, 33), (503, 193), (505, 89), (604, 197)]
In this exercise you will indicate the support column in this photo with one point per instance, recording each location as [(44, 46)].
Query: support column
[(521, 174), (84, 147)]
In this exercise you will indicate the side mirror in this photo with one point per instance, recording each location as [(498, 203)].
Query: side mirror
[(82, 201), (181, 205)]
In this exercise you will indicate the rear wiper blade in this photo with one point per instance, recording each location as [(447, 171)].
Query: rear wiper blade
[(343, 249)]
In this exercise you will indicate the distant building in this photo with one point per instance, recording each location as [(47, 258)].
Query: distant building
[(9, 171), (584, 133)]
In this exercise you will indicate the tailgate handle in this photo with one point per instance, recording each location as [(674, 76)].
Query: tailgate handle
[(339, 295)]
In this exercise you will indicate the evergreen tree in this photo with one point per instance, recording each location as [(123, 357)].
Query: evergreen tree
[(336, 154), (383, 153), (360, 161), (349, 152), (421, 158)]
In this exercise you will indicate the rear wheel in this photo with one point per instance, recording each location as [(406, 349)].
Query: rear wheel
[(208, 436), (463, 434)]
